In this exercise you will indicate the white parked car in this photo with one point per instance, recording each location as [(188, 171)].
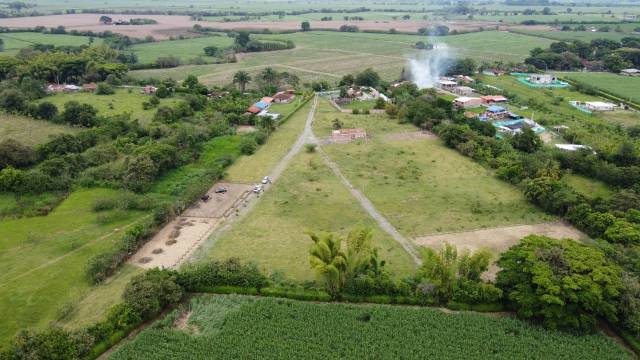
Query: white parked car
[(257, 189), (266, 180)]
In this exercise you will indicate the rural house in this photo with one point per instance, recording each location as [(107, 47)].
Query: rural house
[(542, 79), (599, 106), (465, 102), (283, 97), (149, 90), (90, 87), (463, 90), (493, 99)]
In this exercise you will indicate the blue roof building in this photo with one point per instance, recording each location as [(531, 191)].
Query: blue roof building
[(495, 109), (261, 104)]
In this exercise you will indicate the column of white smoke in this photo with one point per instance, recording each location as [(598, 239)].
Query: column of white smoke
[(428, 66)]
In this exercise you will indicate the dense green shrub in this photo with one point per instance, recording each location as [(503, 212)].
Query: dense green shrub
[(147, 294), (216, 273)]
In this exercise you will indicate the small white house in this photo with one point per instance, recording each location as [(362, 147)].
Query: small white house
[(599, 106), (466, 102), (572, 147), (463, 90)]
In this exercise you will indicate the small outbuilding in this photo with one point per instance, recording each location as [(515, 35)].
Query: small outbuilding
[(149, 90), (493, 99), (599, 106), (630, 72), (463, 90), (283, 97), (542, 79), (90, 87)]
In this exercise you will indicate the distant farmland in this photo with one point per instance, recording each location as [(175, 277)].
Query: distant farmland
[(626, 87), (13, 42), (330, 55)]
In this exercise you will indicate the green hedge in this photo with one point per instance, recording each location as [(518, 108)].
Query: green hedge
[(297, 294), (295, 110)]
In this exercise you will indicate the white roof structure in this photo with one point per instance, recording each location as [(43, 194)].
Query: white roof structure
[(464, 99), (599, 105), (630, 71), (447, 82), (572, 147)]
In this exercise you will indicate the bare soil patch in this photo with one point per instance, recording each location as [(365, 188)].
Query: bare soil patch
[(498, 240), (244, 129), (411, 135), (167, 26), (180, 237)]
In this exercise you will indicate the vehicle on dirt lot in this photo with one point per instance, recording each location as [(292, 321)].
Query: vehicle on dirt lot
[(221, 190), (257, 189), (205, 197), (266, 180)]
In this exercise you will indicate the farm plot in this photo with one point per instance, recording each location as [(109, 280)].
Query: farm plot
[(239, 327), (329, 55), (306, 197), (13, 42), (184, 49), (123, 101), (29, 131), (422, 187), (42, 259)]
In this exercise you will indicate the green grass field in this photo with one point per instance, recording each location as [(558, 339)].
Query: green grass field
[(625, 87), (588, 187), (121, 102), (238, 327), (330, 55), (184, 49), (307, 197), (423, 187), (42, 259), (13, 42), (586, 36), (250, 169), (27, 130)]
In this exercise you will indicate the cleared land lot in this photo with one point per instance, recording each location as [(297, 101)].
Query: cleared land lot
[(423, 187), (329, 55), (13, 42), (27, 130), (306, 197), (248, 328), (121, 102), (42, 259)]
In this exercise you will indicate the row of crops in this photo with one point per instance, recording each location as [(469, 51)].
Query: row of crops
[(238, 327)]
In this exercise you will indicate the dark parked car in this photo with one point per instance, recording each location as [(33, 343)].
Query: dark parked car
[(221, 190)]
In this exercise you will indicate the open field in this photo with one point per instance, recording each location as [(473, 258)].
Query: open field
[(422, 187), (251, 169), (307, 197), (185, 49), (13, 42), (27, 130), (121, 102), (330, 55), (588, 187), (42, 259), (586, 36), (551, 107), (625, 87), (241, 327)]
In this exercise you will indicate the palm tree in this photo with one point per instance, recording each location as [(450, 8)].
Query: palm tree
[(242, 78), (328, 260), (269, 76), (267, 123)]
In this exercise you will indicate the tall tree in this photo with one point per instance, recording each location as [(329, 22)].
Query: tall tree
[(328, 260), (305, 26), (242, 78)]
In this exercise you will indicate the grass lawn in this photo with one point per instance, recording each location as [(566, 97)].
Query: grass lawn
[(624, 118), (27, 130), (586, 36), (625, 87), (307, 197), (42, 259), (240, 327), (252, 168), (185, 49), (121, 102), (13, 42), (588, 187)]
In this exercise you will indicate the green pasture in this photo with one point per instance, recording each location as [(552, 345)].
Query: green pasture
[(586, 36), (27, 130), (308, 196), (588, 187), (626, 87), (185, 50), (241, 327), (123, 101), (42, 259), (13, 42)]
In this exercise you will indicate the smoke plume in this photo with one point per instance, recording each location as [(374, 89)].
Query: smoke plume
[(428, 66)]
